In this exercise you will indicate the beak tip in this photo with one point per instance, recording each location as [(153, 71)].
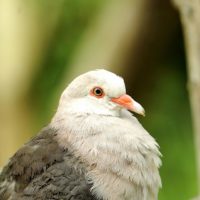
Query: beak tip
[(139, 109), (143, 114)]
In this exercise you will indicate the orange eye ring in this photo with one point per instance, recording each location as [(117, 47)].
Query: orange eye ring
[(97, 92)]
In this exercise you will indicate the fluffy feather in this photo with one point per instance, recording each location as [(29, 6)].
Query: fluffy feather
[(123, 157), (92, 149)]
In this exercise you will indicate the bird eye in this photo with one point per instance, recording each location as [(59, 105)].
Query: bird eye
[(98, 92)]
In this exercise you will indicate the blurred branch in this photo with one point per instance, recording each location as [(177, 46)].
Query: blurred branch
[(109, 37), (190, 17)]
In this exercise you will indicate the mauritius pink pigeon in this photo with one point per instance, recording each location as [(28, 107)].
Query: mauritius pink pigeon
[(93, 149)]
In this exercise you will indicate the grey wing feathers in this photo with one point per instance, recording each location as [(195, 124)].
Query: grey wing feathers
[(57, 183), (41, 170)]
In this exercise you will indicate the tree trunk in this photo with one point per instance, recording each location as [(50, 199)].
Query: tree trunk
[(190, 18)]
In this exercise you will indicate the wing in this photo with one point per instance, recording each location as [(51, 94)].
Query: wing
[(42, 170)]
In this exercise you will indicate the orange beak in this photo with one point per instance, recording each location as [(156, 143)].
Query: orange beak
[(127, 102)]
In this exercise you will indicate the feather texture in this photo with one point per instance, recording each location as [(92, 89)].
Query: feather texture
[(93, 149), (42, 170)]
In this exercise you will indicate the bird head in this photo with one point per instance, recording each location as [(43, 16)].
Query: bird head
[(98, 92)]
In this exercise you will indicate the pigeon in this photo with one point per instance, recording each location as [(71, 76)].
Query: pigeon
[(94, 148)]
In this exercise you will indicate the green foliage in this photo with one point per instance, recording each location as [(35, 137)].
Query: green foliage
[(169, 121)]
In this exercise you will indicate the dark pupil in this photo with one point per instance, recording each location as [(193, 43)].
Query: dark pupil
[(98, 91)]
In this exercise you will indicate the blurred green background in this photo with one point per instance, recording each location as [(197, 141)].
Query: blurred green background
[(46, 43)]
